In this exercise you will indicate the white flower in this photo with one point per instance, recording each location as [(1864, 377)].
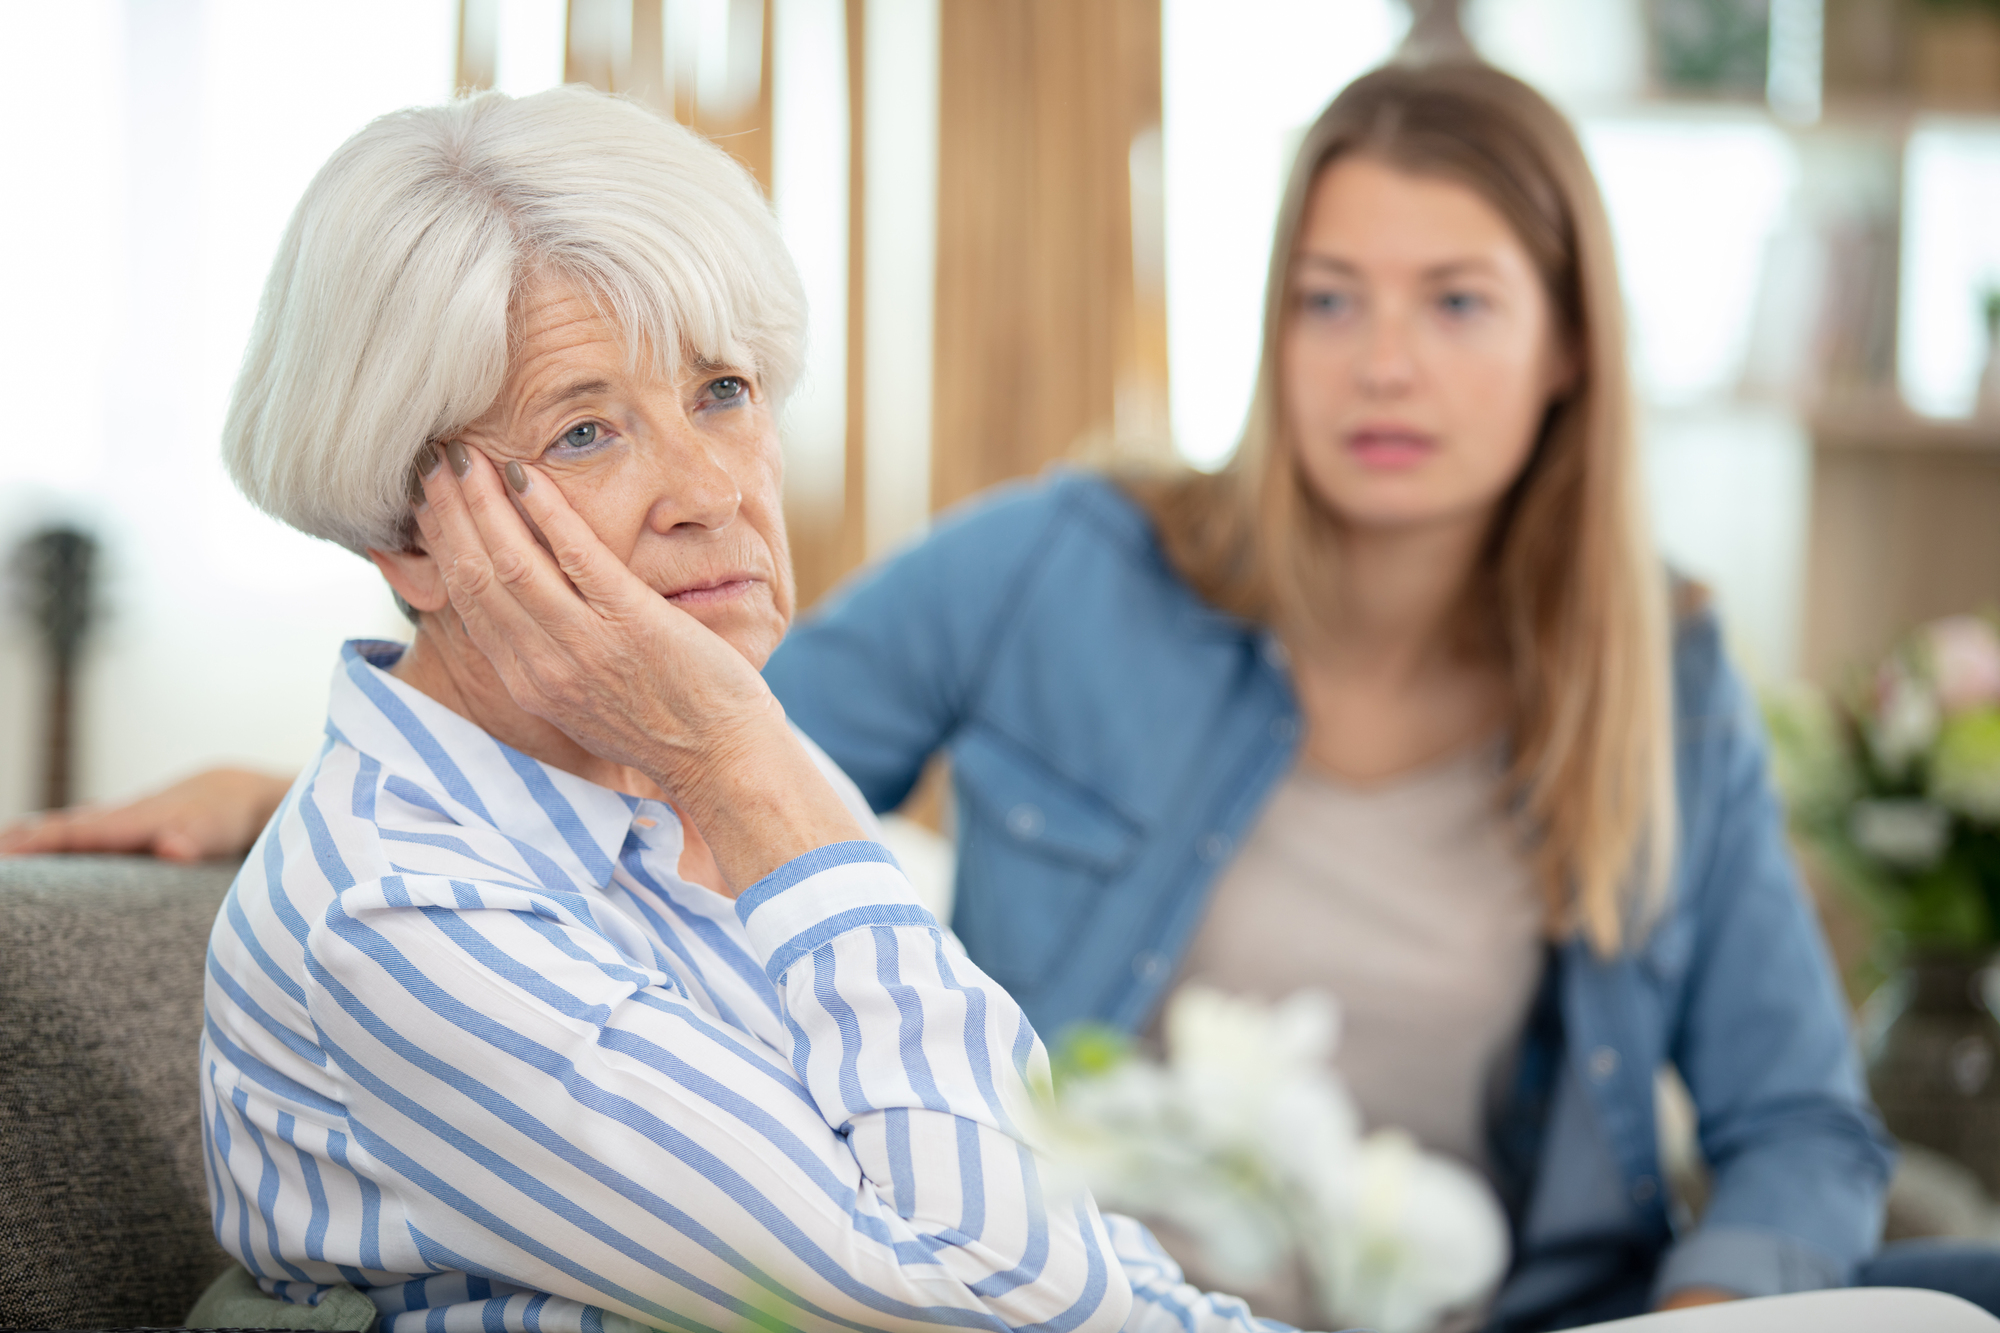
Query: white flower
[(1425, 1236), (1246, 1141), (1903, 834), (1233, 1057), (1906, 720), (1965, 661)]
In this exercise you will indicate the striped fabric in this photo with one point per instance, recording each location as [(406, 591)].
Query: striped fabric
[(473, 1047)]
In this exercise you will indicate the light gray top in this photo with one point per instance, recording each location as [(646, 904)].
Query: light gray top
[(1411, 903)]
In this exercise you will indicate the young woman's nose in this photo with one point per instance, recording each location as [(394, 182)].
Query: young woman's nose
[(1387, 364)]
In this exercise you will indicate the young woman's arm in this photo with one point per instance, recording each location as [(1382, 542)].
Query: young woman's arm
[(884, 671), (1799, 1163), (215, 813)]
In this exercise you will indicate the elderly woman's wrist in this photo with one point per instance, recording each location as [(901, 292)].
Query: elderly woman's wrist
[(760, 802)]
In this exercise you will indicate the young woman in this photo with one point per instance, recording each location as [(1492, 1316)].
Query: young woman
[(1400, 704)]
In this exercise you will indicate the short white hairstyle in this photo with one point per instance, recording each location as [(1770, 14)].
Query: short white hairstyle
[(385, 324)]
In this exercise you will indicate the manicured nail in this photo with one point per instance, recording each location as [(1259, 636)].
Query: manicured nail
[(461, 462), (517, 478), (428, 460)]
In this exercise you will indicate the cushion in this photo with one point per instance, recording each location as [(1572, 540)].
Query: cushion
[(234, 1300), (104, 1219)]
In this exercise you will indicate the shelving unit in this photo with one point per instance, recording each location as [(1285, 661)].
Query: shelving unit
[(1904, 526)]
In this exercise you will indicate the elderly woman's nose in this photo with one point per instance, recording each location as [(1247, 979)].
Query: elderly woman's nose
[(698, 488)]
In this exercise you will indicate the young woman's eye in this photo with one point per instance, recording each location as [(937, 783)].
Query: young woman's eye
[(1325, 303), (1460, 304), (728, 389)]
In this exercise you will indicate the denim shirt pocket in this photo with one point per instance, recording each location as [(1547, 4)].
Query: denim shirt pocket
[(1035, 850), (1668, 950)]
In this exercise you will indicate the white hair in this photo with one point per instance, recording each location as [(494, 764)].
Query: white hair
[(385, 324)]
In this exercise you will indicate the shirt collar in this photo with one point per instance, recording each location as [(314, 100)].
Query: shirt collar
[(479, 779)]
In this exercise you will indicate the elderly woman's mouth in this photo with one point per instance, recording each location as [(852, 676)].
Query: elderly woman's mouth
[(711, 591)]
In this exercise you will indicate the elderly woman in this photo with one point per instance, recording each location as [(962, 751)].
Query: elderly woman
[(545, 1008)]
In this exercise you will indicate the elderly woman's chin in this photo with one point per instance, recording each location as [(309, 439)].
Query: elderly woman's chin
[(743, 608)]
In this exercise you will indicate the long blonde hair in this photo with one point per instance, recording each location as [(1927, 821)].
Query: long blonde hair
[(1569, 594)]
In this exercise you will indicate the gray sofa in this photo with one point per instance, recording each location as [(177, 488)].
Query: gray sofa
[(104, 1218)]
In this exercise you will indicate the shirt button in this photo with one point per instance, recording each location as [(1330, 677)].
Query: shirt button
[(1149, 966), (1603, 1063), (1214, 847), (1024, 821), (1644, 1188), (1284, 730), (1275, 654)]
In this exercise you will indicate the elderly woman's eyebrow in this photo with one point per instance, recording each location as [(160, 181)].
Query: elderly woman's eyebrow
[(568, 394)]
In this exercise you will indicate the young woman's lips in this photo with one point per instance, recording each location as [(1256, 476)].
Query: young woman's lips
[(1390, 448), (713, 591)]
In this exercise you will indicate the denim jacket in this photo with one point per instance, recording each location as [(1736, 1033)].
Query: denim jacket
[(1112, 739)]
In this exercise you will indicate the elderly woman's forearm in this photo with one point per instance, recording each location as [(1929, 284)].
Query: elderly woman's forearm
[(586, 1113), (761, 803)]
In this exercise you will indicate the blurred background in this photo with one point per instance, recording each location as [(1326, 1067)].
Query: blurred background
[(1030, 231)]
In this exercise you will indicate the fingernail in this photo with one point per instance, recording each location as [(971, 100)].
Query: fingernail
[(428, 460), (517, 478), (461, 462)]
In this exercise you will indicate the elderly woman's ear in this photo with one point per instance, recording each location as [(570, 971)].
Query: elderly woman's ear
[(414, 576)]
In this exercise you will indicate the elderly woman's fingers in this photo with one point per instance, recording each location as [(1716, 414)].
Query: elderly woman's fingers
[(488, 604), (597, 574)]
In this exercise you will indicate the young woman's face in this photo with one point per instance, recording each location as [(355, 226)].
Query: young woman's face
[(1419, 351)]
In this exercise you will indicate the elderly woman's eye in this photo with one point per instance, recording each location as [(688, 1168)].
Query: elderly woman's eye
[(727, 389), (580, 436)]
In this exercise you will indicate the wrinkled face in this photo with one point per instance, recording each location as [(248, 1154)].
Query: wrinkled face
[(1418, 353), (680, 480)]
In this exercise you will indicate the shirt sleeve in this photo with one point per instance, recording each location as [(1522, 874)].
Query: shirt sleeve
[(1798, 1162), (539, 1109), (886, 668)]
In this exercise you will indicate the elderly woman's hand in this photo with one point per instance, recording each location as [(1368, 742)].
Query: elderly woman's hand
[(579, 640)]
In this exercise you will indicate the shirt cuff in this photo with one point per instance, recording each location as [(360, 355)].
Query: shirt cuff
[(824, 894), (1744, 1261)]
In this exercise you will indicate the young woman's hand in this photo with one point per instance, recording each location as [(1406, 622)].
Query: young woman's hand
[(1689, 1297), (581, 641), (218, 813)]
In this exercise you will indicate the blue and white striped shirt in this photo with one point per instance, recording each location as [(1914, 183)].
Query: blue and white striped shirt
[(475, 1048)]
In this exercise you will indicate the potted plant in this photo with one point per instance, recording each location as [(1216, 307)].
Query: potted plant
[(1894, 786)]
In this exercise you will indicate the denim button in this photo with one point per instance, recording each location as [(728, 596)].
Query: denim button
[(1275, 654), (1284, 730), (1149, 966), (1644, 1188), (1024, 821), (1603, 1063), (1214, 847)]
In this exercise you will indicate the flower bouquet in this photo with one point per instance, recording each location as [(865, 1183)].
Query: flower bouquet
[(1244, 1140), (1896, 786)]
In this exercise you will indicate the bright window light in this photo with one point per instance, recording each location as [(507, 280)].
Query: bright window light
[(1242, 82), (809, 189), (164, 193), (1579, 52), (529, 54), (1951, 264), (1691, 268)]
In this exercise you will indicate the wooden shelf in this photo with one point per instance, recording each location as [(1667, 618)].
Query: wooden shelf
[(1886, 423), (1905, 526)]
